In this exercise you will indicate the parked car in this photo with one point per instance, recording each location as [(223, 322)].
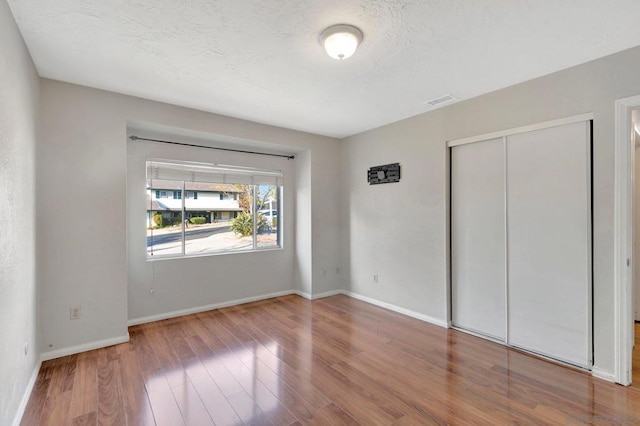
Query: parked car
[(269, 213)]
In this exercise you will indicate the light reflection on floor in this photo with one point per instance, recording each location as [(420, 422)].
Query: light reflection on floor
[(243, 384)]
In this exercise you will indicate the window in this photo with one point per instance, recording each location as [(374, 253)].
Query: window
[(237, 209)]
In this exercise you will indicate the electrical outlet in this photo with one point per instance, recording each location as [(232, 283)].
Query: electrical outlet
[(74, 312), (375, 278)]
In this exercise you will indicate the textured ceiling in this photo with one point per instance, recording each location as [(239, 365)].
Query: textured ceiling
[(260, 60)]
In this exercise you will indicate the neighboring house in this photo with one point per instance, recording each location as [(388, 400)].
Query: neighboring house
[(213, 201)]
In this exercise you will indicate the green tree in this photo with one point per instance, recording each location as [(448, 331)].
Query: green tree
[(243, 224), (157, 219), (245, 197), (263, 198)]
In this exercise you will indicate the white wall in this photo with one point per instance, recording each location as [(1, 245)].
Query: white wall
[(303, 225), (18, 128), (325, 212), (406, 246), (82, 180)]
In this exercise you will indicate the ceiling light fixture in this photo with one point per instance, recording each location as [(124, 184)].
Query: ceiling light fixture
[(341, 41)]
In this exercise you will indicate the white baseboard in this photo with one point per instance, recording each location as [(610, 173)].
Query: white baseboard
[(603, 374), (318, 295), (27, 394), (398, 309), (84, 347), (204, 308), (300, 293), (303, 294), (327, 294)]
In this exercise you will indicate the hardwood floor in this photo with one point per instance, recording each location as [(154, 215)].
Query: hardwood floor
[(290, 361)]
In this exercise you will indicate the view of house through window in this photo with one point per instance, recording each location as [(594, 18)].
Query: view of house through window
[(195, 208)]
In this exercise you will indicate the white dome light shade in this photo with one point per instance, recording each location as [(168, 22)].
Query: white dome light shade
[(341, 41)]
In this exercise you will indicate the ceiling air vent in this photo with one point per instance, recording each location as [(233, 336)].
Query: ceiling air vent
[(441, 100)]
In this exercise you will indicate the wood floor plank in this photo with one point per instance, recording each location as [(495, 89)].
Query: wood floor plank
[(221, 376), (250, 413), (198, 328), (358, 402), (60, 373), (191, 406), (177, 341), (301, 407), (56, 409), (164, 406), (136, 401), (214, 401), (111, 409), (331, 414), (35, 406), (337, 360), (88, 419), (85, 399), (259, 393), (170, 363), (148, 363), (211, 321), (297, 378)]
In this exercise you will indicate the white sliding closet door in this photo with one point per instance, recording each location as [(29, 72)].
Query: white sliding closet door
[(548, 239), (478, 237)]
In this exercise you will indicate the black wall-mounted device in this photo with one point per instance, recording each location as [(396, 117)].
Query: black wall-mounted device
[(387, 173)]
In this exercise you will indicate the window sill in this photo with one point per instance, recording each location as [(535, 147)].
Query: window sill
[(220, 253)]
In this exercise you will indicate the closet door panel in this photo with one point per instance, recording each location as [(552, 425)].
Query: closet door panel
[(478, 237), (549, 252)]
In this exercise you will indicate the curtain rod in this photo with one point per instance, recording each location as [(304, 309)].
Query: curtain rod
[(136, 138)]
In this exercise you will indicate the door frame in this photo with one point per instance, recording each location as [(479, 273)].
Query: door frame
[(623, 239)]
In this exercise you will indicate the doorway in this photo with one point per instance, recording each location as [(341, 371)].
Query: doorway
[(635, 137), (627, 186), (635, 132)]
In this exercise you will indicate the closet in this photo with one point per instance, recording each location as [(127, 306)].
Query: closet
[(521, 238)]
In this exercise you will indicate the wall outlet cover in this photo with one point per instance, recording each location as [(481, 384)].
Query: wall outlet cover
[(74, 312)]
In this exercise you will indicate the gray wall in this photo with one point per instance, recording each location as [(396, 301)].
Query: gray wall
[(398, 230), (303, 266), (160, 287), (82, 218), (18, 115)]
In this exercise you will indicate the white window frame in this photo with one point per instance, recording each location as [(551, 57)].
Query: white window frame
[(244, 170)]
